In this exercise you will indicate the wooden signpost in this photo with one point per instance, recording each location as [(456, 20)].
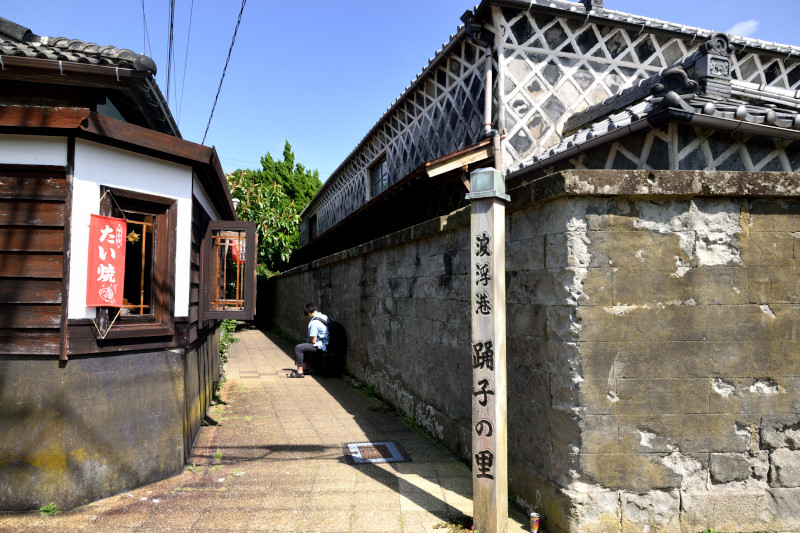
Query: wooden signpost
[(488, 352)]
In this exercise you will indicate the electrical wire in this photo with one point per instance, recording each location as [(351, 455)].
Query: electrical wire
[(146, 34), (185, 62), (230, 50), (170, 45)]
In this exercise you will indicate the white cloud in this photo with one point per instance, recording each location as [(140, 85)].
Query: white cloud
[(746, 28)]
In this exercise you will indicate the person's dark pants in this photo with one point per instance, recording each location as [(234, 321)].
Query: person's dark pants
[(301, 350)]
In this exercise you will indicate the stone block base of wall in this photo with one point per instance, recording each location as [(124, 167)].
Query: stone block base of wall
[(99, 425), (593, 509)]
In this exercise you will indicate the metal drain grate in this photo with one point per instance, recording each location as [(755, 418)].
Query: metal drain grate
[(374, 452)]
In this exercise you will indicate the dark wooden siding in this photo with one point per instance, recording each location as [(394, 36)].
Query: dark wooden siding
[(32, 217), (200, 221)]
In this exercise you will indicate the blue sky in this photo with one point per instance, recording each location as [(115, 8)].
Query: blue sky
[(315, 72)]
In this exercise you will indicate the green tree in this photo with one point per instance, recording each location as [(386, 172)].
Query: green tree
[(275, 214), (300, 184), (273, 197)]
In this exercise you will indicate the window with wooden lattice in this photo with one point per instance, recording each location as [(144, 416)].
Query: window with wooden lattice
[(229, 270), (149, 282)]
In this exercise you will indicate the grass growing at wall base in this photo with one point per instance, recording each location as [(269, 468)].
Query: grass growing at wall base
[(226, 339), (49, 510)]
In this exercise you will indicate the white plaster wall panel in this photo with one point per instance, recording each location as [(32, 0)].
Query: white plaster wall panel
[(681, 147), (33, 150), (555, 67), (202, 197), (97, 165)]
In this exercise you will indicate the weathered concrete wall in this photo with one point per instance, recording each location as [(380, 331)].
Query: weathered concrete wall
[(404, 301), (96, 426), (202, 369), (652, 344)]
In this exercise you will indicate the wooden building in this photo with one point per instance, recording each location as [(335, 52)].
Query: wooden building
[(103, 399)]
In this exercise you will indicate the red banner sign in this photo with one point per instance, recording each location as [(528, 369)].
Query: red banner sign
[(237, 251), (106, 274)]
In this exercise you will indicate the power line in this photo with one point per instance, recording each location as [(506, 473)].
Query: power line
[(145, 34), (230, 50), (171, 44), (185, 62)]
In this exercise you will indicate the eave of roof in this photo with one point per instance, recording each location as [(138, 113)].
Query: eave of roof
[(433, 63), (81, 123)]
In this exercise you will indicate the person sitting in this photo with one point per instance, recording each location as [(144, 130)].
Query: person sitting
[(317, 339)]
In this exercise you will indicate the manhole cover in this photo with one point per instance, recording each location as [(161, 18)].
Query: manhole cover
[(374, 452)]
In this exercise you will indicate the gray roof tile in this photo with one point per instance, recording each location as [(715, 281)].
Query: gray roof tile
[(758, 113), (16, 40)]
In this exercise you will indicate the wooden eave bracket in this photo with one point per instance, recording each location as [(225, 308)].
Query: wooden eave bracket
[(464, 175), (460, 159)]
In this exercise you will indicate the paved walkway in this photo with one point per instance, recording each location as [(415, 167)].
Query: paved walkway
[(276, 463)]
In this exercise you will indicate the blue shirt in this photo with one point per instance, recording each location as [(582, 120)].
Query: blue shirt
[(319, 329)]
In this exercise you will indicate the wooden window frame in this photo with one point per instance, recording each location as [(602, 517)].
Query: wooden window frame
[(161, 322), (379, 163), (209, 282), (312, 226)]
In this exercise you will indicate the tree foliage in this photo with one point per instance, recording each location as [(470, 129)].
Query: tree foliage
[(273, 197), (276, 217), (299, 183)]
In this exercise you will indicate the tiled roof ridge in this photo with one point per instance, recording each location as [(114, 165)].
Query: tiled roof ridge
[(656, 24), (693, 30), (17, 40), (766, 93)]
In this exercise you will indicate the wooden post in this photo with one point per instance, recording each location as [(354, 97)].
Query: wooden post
[(488, 351)]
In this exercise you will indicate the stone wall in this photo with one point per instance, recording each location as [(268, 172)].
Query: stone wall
[(404, 301), (651, 343)]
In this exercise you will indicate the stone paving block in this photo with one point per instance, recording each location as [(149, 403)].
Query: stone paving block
[(625, 323), (728, 467), (703, 286), (767, 249), (664, 396), (700, 433), (377, 521), (636, 473), (774, 216), (781, 430)]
